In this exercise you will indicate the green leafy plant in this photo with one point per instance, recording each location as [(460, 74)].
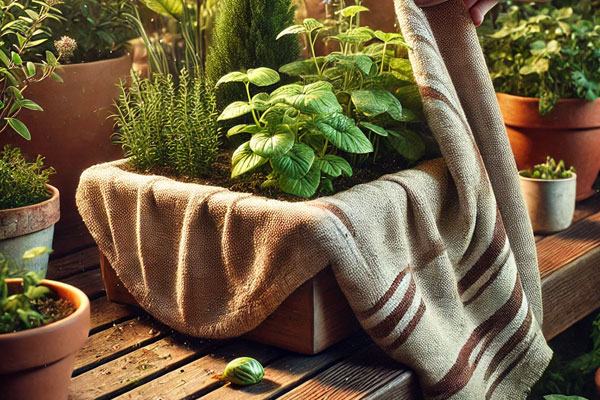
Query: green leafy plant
[(546, 52), (297, 130), (183, 46), (18, 311), (99, 27), (549, 170), (24, 26), (22, 183), (161, 123), (372, 79), (245, 37)]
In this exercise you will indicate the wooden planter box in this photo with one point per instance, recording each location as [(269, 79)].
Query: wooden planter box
[(313, 318)]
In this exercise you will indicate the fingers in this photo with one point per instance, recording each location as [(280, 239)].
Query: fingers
[(479, 9), (428, 3)]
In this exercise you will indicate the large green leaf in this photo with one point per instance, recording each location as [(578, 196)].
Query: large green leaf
[(374, 128), (19, 127), (407, 143), (303, 187), (245, 160), (273, 143), (242, 128), (361, 61), (351, 11), (173, 8), (263, 76), (235, 109), (344, 134), (335, 166), (235, 76), (278, 114), (316, 98), (292, 30), (295, 163), (302, 67), (374, 102), (311, 25)]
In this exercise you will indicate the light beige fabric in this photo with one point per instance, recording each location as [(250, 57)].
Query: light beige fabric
[(441, 274)]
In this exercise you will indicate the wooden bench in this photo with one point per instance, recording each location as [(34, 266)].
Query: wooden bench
[(130, 356)]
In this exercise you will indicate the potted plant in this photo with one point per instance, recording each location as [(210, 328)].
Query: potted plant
[(549, 190), (42, 325), (29, 207), (74, 131), (546, 69)]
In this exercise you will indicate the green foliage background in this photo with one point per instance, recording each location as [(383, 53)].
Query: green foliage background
[(244, 37)]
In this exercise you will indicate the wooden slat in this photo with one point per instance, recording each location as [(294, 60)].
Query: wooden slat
[(104, 312), (135, 368), (117, 340), (197, 377), (73, 263), (564, 247), (89, 282), (571, 293), (404, 387), (289, 371), (354, 378)]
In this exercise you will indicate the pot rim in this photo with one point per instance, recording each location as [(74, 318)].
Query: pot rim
[(536, 100), (28, 333), (55, 194), (97, 62), (573, 178)]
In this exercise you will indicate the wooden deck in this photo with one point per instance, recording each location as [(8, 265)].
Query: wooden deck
[(130, 356)]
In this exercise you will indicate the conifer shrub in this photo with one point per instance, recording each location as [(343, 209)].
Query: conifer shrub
[(245, 36)]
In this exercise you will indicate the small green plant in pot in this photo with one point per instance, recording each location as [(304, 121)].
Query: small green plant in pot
[(29, 200), (545, 64), (549, 191), (49, 319)]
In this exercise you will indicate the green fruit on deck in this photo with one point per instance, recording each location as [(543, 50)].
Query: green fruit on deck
[(243, 371)]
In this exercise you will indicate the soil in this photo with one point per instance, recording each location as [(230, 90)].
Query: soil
[(55, 309), (251, 183)]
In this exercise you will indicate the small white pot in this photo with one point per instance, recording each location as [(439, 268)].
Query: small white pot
[(551, 203)]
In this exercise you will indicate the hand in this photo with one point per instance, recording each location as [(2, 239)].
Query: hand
[(477, 8)]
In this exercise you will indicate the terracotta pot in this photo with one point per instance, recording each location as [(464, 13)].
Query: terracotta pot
[(37, 363), (25, 227), (550, 203), (73, 131), (570, 132), (597, 381)]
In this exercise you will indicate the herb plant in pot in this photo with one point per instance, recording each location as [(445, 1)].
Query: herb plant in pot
[(29, 207), (42, 325), (74, 131), (549, 190), (545, 65)]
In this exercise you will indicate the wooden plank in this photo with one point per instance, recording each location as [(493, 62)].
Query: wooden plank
[(570, 293), (71, 264), (405, 387), (104, 312), (89, 282), (135, 368), (354, 378), (564, 247), (116, 341), (197, 377), (289, 371)]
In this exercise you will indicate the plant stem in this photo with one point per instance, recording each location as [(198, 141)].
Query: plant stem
[(250, 101), (312, 51), (383, 57)]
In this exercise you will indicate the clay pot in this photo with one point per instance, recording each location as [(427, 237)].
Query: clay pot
[(73, 132), (570, 132), (38, 363), (26, 227), (597, 381), (550, 203)]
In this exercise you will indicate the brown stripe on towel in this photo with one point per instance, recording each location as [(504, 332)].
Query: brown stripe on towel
[(404, 335), (490, 280), (508, 369), (385, 298), (335, 210), (387, 325), (510, 345), (461, 372), (487, 259)]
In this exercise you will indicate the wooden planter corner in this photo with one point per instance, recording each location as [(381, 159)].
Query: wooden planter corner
[(313, 318)]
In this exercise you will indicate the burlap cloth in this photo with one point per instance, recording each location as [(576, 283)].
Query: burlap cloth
[(437, 262)]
